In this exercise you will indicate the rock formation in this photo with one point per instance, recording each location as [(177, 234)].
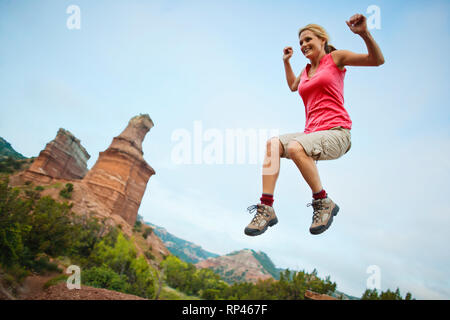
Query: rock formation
[(62, 158), (112, 189), (120, 175)]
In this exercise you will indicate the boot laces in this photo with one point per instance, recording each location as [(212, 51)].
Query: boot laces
[(317, 207), (259, 212)]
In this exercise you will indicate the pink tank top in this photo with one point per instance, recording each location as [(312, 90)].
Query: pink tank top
[(323, 96)]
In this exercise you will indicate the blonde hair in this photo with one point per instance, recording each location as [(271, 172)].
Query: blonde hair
[(321, 33)]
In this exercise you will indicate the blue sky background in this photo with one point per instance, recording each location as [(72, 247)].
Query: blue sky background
[(220, 62)]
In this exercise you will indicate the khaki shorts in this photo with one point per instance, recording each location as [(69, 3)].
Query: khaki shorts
[(320, 145)]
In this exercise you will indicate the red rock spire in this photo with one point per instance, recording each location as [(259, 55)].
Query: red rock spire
[(120, 175)]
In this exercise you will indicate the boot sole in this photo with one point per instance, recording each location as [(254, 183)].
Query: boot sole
[(256, 232), (322, 229)]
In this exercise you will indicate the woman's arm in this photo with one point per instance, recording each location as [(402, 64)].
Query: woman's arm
[(291, 79), (374, 57)]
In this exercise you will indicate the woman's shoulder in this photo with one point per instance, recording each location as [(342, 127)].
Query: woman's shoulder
[(335, 58)]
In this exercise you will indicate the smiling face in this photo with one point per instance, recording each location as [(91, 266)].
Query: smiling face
[(311, 45)]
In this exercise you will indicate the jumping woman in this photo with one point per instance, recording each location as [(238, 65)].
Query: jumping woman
[(327, 130)]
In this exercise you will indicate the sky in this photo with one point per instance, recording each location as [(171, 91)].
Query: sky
[(202, 69)]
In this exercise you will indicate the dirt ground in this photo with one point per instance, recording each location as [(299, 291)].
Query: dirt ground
[(32, 289)]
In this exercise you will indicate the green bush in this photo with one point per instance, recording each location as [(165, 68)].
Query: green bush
[(10, 165), (43, 264), (55, 280), (66, 193), (31, 194), (105, 277), (190, 280), (52, 230), (147, 232), (30, 227), (14, 225), (69, 187), (372, 294), (137, 226), (149, 255), (121, 257), (14, 274), (210, 294)]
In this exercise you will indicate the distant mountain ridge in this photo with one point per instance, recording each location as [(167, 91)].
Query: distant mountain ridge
[(185, 250), (264, 260), (245, 265), (6, 150)]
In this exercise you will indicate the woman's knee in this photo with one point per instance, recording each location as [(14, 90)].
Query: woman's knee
[(295, 148)]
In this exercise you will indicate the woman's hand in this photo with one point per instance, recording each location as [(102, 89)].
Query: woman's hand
[(374, 56), (292, 80), (287, 53), (357, 23)]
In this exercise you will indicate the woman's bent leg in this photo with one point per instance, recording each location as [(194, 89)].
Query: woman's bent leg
[(306, 165)]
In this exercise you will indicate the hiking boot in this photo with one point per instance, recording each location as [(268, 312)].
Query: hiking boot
[(324, 211), (265, 217)]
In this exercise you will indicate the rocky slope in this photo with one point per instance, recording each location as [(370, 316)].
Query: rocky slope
[(6, 150), (185, 250), (239, 266)]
